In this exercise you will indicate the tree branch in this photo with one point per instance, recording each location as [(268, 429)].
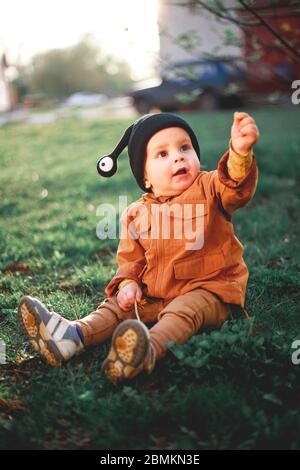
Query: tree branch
[(244, 25), (216, 13)]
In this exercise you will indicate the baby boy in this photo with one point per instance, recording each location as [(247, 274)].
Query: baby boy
[(180, 265)]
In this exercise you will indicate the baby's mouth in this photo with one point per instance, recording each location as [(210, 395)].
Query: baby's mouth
[(181, 171)]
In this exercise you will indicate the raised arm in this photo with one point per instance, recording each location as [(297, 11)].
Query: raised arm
[(235, 181)]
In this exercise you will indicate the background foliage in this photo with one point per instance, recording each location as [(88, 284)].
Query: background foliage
[(58, 73)]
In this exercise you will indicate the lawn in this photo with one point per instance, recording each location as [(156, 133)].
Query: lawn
[(232, 388)]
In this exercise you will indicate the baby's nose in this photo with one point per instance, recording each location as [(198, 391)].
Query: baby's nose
[(178, 158)]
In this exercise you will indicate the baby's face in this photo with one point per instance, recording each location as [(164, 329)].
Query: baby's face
[(167, 152)]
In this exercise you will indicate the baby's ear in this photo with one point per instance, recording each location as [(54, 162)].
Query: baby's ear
[(147, 184)]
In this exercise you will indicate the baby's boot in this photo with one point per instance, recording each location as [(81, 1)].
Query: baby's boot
[(131, 352), (54, 337)]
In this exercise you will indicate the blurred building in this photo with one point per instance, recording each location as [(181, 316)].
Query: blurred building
[(206, 31), (272, 65)]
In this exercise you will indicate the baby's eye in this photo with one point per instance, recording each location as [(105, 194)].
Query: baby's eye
[(185, 147), (163, 153)]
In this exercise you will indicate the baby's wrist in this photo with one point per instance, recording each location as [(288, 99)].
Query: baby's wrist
[(239, 153)]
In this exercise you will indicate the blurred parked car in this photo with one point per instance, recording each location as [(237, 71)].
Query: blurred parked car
[(206, 84), (85, 99)]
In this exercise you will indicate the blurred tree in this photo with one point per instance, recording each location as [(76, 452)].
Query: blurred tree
[(58, 73)]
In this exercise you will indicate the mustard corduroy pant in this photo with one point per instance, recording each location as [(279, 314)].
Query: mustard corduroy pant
[(175, 320)]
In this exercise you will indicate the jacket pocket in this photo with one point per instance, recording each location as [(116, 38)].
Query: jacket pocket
[(195, 267)]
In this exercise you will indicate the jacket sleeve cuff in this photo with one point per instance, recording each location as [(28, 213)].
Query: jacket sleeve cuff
[(125, 282), (238, 165), (224, 177)]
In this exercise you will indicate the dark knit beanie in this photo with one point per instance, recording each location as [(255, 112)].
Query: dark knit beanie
[(136, 138)]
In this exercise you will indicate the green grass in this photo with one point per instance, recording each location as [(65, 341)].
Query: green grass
[(233, 388)]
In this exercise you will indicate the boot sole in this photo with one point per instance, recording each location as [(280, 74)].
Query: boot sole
[(35, 329), (130, 346)]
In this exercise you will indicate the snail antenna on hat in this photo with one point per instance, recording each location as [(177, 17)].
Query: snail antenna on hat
[(107, 165)]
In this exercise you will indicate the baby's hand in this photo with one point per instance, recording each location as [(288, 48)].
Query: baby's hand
[(128, 294), (244, 133)]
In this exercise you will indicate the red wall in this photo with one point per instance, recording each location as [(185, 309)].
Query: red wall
[(273, 68)]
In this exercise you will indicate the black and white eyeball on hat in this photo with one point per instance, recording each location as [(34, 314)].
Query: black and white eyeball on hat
[(107, 166)]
